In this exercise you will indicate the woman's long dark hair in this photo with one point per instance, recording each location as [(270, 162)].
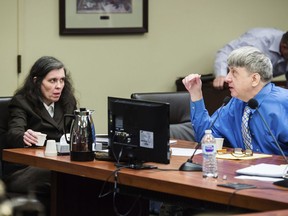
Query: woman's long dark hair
[(31, 88)]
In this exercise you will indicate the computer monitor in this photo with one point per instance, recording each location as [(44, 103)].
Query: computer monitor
[(138, 131)]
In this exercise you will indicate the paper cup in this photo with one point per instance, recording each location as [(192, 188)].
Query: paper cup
[(219, 143), (51, 149), (41, 139)]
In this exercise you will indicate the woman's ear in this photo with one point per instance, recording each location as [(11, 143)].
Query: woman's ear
[(34, 79)]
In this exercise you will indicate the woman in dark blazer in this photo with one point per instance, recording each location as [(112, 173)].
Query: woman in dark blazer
[(38, 106)]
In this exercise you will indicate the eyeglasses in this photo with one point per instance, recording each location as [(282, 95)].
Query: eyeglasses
[(239, 152)]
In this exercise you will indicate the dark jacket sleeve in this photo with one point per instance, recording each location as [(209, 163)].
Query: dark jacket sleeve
[(17, 123)]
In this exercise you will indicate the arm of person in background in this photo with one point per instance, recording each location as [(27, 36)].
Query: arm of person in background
[(252, 37), (262, 38), (220, 66)]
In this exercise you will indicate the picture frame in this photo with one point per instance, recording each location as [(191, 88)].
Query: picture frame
[(98, 17)]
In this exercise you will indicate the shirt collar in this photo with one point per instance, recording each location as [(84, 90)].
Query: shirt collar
[(51, 105), (47, 107), (263, 93)]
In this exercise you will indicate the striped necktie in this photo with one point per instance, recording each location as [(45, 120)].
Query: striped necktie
[(245, 128)]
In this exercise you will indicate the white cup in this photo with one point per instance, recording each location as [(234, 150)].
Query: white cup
[(41, 139), (51, 149), (219, 143)]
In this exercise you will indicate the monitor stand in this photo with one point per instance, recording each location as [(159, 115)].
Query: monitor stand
[(132, 163), (136, 166)]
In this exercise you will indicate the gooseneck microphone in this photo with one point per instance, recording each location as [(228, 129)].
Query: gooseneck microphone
[(253, 104), (225, 102), (189, 165)]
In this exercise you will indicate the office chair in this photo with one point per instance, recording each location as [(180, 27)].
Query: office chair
[(4, 102), (20, 202), (180, 124)]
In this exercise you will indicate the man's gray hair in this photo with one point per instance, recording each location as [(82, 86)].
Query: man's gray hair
[(253, 60)]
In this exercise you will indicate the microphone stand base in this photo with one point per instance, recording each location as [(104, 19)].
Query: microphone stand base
[(282, 183), (190, 166)]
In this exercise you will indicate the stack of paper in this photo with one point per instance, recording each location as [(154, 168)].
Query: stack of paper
[(267, 170), (232, 157), (184, 151)]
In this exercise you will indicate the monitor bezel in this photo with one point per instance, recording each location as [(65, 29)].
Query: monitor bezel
[(160, 153)]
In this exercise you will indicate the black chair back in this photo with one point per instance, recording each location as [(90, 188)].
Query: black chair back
[(180, 124), (4, 114)]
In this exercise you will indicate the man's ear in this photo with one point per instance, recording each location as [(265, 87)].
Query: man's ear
[(255, 79), (283, 45)]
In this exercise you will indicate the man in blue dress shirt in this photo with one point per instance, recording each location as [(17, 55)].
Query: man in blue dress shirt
[(272, 42), (249, 76)]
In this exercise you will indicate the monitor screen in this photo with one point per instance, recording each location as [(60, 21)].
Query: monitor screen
[(138, 131)]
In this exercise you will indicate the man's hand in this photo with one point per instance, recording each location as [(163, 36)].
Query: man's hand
[(218, 82), (193, 84)]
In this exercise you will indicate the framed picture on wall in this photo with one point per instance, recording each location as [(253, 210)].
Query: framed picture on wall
[(93, 17)]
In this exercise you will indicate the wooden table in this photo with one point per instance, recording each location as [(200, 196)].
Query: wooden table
[(179, 184)]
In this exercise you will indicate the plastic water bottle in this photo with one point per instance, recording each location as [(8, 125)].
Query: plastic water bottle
[(209, 166)]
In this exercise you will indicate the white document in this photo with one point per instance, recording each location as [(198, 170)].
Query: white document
[(263, 169), (184, 151), (259, 178)]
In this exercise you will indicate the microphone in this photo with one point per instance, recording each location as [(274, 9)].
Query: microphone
[(189, 165), (253, 104), (225, 102)]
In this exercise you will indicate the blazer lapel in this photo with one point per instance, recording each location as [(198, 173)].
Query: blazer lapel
[(58, 116)]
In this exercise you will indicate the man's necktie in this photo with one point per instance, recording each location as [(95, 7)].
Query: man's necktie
[(245, 128)]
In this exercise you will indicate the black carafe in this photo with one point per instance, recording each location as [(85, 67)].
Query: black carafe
[(82, 135)]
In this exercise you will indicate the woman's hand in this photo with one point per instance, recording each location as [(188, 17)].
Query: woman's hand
[(30, 137)]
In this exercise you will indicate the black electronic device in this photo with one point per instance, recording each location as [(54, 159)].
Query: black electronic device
[(138, 131), (236, 185)]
